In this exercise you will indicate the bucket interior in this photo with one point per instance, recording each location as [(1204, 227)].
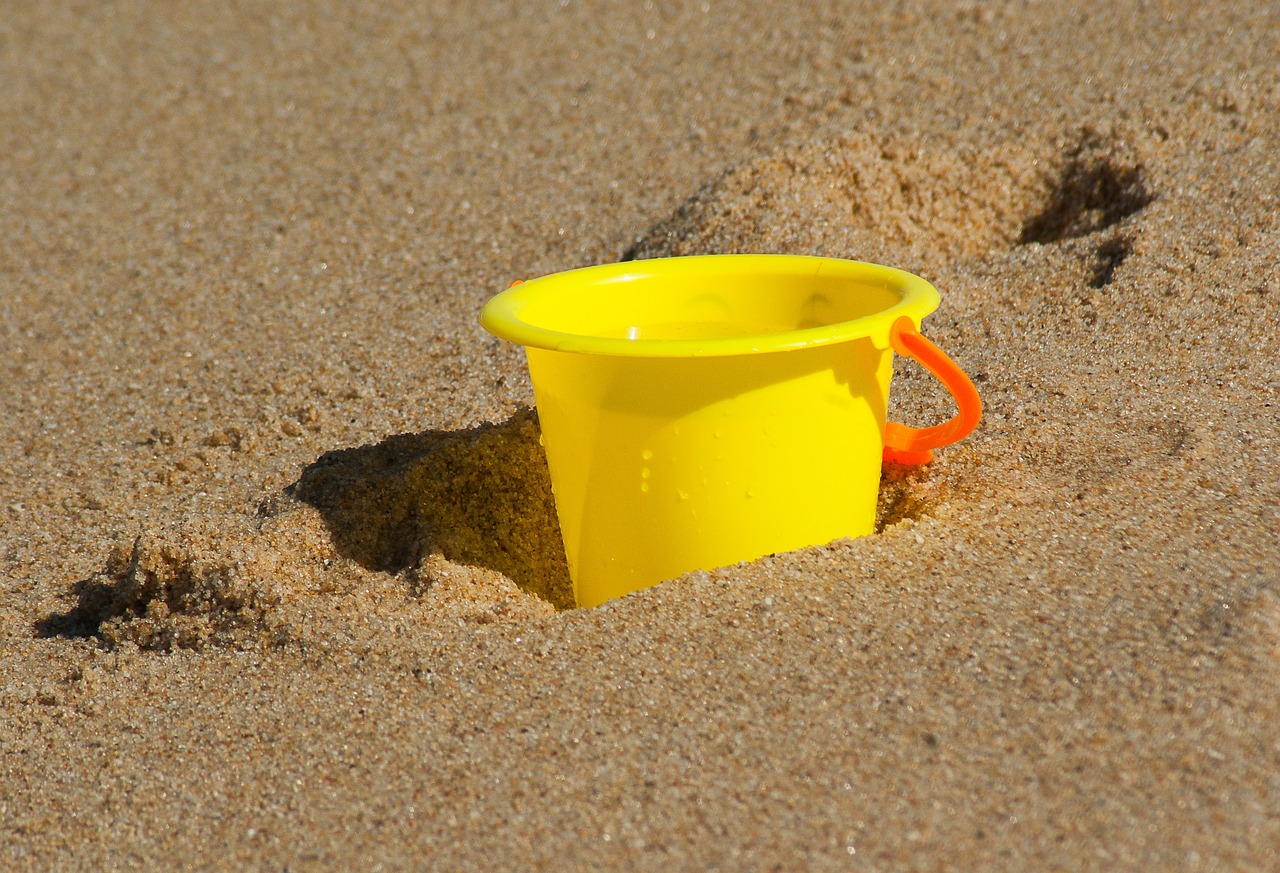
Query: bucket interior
[(730, 303), (709, 305)]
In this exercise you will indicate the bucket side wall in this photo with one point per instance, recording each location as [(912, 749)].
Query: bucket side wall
[(663, 466)]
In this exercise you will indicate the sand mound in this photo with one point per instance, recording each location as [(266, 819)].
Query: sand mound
[(861, 198), (923, 207), (479, 497), (433, 525), (192, 587)]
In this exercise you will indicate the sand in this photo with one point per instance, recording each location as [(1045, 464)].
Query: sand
[(280, 585)]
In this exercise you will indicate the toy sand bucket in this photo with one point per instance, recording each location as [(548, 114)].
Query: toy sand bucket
[(701, 411)]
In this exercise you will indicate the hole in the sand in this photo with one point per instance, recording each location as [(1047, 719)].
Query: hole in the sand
[(480, 496), (1107, 259), (1100, 184)]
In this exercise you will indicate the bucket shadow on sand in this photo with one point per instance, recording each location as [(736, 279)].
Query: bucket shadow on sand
[(480, 496)]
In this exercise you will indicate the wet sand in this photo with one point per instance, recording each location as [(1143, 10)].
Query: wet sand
[(280, 580)]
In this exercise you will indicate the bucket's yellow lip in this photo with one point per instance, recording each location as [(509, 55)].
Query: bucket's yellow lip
[(501, 316)]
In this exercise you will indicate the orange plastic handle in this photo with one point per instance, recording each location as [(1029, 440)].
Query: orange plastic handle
[(912, 445)]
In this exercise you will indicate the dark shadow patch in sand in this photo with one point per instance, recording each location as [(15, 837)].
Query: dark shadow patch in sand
[(1107, 259), (480, 496), (94, 605), (1100, 183)]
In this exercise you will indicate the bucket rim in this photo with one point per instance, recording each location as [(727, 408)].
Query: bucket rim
[(502, 315)]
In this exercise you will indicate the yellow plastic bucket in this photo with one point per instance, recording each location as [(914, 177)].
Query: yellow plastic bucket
[(701, 411)]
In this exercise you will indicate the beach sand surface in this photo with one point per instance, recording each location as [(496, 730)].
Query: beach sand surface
[(281, 585)]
